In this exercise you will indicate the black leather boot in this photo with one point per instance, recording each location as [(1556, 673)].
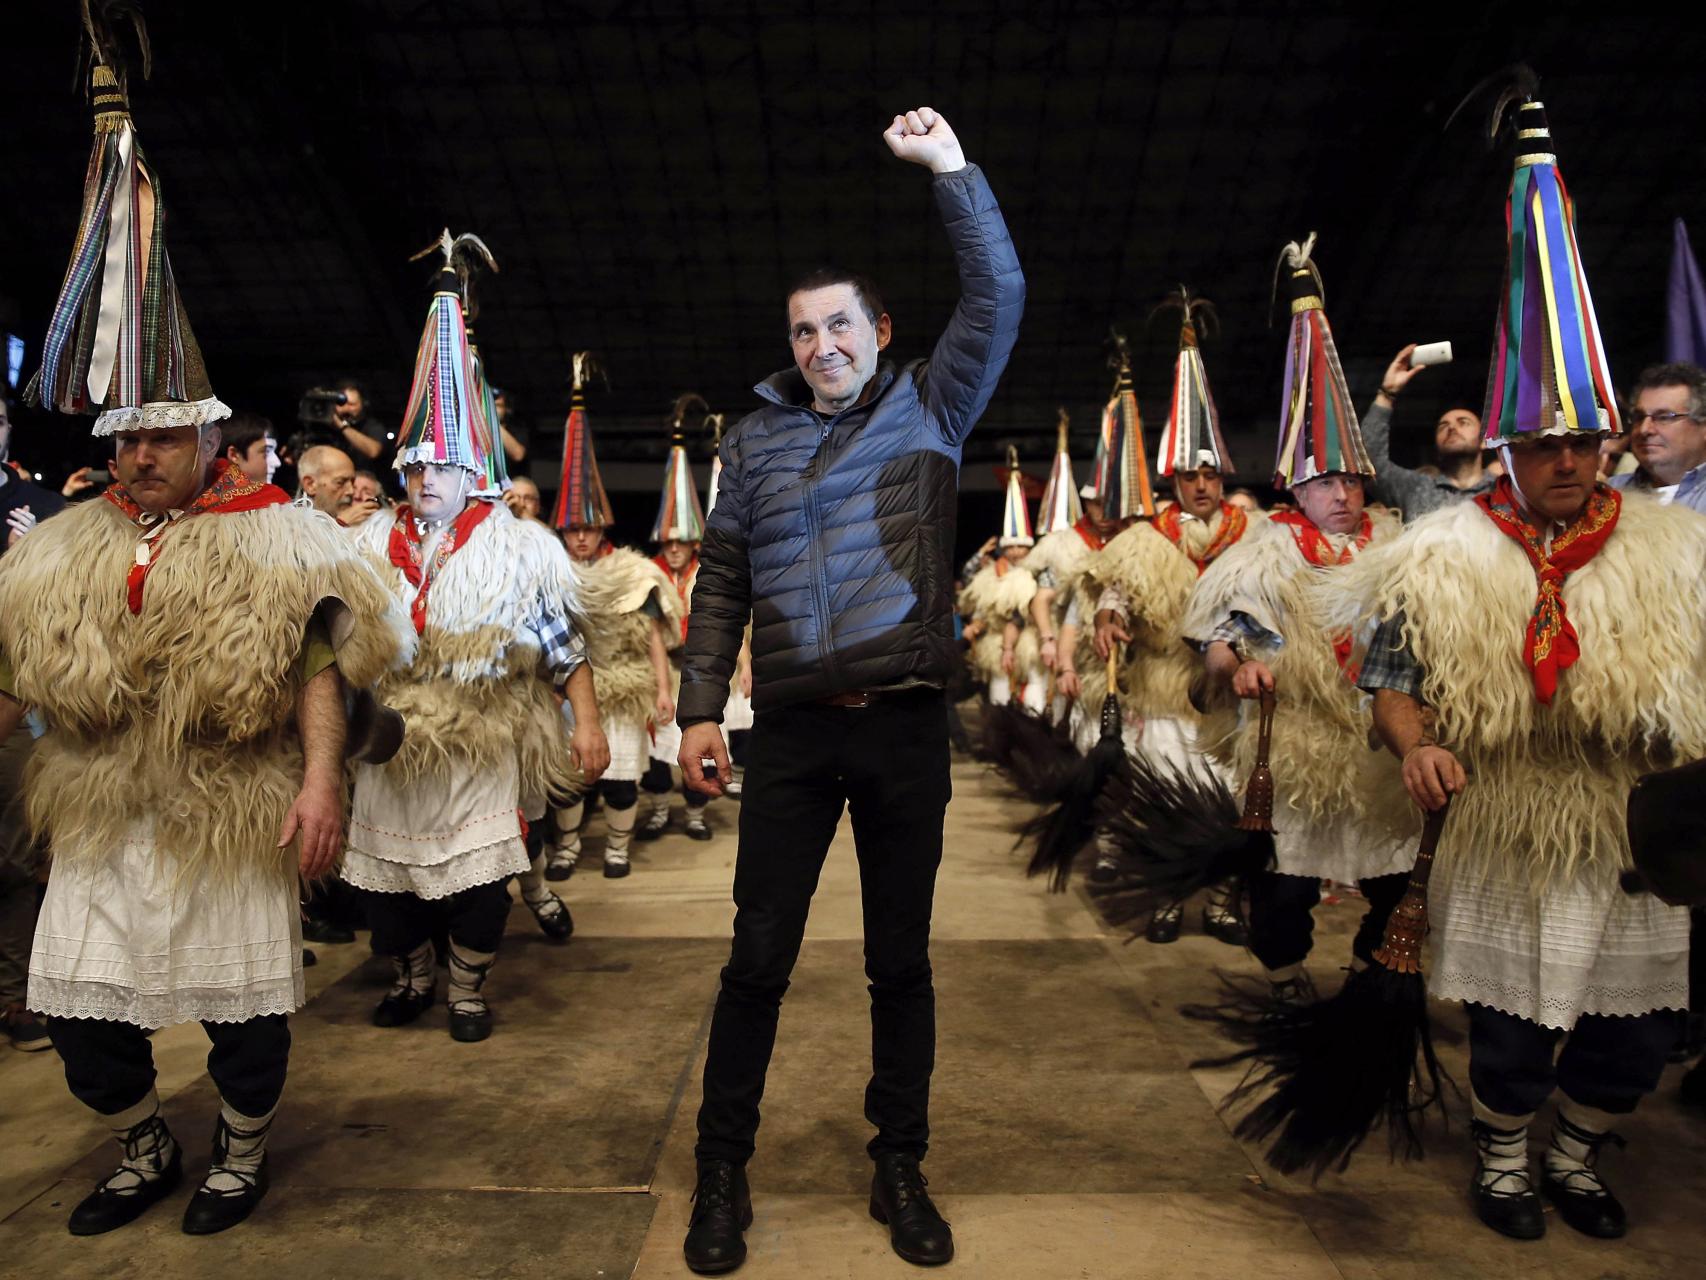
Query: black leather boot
[(722, 1209), (898, 1198)]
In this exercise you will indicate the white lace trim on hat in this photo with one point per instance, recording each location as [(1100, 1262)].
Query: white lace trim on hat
[(159, 415)]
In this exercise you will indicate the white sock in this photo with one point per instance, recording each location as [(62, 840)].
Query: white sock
[(415, 973), (1577, 1133), (1285, 973), (467, 975), (244, 1139), (1502, 1146), (619, 832), (532, 882), (147, 1144), (569, 832)]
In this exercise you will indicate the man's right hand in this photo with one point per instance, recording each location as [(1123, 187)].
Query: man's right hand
[(77, 482), (700, 742), (1252, 679), (1432, 775), (1110, 627), (1068, 685), (1399, 373), (923, 137)]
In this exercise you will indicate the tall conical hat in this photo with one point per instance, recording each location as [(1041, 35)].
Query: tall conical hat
[(1122, 470), (715, 422), (1548, 374), (680, 517), (1192, 436), (1319, 433), (1060, 507), (469, 256), (445, 423), (1015, 513), (581, 500), (120, 344)]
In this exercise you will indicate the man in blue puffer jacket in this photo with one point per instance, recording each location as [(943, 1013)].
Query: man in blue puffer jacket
[(834, 530)]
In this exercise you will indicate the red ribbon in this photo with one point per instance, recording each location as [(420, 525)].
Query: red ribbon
[(683, 584), (1233, 522), (405, 552), (1084, 529), (1319, 552), (1550, 645), (229, 493)]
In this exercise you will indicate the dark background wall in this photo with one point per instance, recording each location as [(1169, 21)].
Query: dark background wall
[(651, 174)]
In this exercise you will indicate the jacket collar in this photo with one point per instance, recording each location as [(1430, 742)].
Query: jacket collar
[(788, 387)]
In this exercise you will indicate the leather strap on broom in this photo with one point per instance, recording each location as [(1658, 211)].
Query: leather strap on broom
[(1259, 791)]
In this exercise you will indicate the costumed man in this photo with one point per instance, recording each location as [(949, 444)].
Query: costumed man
[(633, 620), (1539, 650), (1005, 649), (185, 640), (436, 832), (1071, 529), (1142, 582), (677, 533), (1338, 809)]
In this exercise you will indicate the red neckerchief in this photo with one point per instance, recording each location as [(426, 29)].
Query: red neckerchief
[(1551, 646), (683, 584), (1084, 529), (1233, 522), (229, 493), (1315, 548), (405, 550)]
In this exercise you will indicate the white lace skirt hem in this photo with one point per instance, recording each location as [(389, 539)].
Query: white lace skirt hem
[(466, 871), (1340, 849), (1578, 949), (630, 750), (69, 998)]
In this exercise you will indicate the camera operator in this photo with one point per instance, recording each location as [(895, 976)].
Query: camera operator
[(359, 435), (22, 502)]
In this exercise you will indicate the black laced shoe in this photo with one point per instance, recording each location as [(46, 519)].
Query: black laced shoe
[(1223, 925), (123, 1195), (898, 1199), (406, 1000), (215, 1209), (552, 915), (1164, 924), (722, 1209), (470, 1016), (1506, 1202), (1580, 1196)]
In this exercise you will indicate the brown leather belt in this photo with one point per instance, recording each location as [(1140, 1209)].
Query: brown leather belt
[(852, 698)]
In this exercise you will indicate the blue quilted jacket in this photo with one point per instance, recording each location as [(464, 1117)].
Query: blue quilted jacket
[(836, 535)]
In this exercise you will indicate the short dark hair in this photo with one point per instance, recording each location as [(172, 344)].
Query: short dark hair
[(351, 384), (870, 297), (1680, 374), (242, 429)]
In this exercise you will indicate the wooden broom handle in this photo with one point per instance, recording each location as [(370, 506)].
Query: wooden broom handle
[(1431, 828), (1266, 733), (1113, 666)]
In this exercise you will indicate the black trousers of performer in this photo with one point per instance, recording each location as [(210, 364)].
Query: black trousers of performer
[(1282, 919), (659, 781), (1608, 1063), (475, 918), (888, 764), (110, 1065)]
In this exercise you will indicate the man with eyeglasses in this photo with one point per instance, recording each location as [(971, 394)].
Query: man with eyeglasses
[(1667, 434)]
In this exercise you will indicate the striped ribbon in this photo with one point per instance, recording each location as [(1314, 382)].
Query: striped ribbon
[(679, 514), (581, 500)]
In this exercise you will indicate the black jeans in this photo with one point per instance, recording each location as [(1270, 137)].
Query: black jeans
[(110, 1065), (1282, 920), (475, 918), (888, 764), (1607, 1063)]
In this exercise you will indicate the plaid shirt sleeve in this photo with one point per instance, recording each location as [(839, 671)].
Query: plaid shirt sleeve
[(1240, 630), (561, 648), (1390, 663)]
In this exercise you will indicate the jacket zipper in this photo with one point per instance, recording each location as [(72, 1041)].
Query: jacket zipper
[(820, 568)]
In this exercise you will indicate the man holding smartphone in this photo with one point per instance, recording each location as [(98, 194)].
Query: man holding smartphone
[(833, 530)]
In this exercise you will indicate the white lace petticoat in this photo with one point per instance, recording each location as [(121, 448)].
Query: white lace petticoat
[(124, 939), (437, 835), (1584, 947)]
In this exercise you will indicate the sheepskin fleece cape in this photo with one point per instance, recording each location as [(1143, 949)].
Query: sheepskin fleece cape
[(1157, 579), (1068, 555), (474, 694), (613, 589), (1548, 785), (186, 711), (993, 598), (1322, 763)]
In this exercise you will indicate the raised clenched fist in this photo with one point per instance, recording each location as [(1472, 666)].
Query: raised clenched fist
[(923, 137)]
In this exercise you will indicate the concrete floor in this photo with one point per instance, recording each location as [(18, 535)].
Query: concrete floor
[(1071, 1139)]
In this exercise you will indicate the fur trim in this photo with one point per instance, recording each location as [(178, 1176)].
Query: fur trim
[(613, 591), (1322, 764), (1156, 580), (995, 597), (1548, 785), (473, 696), (186, 712), (1067, 555)]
